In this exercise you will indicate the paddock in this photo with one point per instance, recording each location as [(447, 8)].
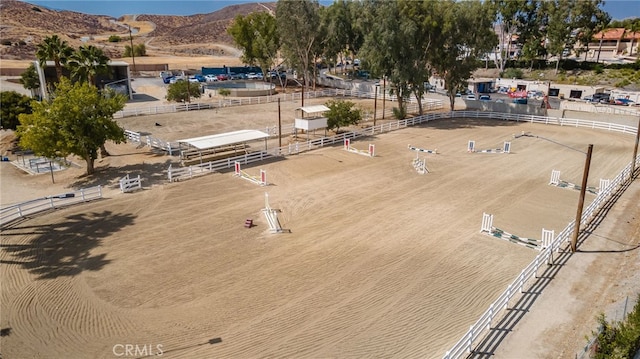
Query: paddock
[(379, 262)]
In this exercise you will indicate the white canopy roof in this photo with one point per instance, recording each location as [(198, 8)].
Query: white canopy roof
[(223, 139), (314, 108)]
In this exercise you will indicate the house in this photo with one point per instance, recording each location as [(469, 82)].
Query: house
[(118, 78), (613, 43)]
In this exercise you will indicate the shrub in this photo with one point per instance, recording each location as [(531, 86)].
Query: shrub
[(6, 42), (513, 73), (114, 38), (598, 69), (619, 340)]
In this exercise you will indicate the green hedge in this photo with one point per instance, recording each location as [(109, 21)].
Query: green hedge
[(619, 340)]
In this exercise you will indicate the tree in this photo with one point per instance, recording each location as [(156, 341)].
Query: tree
[(507, 21), (589, 19), (297, 22), (256, 34), (138, 50), (30, 79), (532, 20), (342, 114), (12, 104), (632, 27), (87, 62), (183, 91), (79, 120), (560, 28), (55, 49)]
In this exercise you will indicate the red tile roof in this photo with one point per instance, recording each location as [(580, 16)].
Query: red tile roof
[(616, 34)]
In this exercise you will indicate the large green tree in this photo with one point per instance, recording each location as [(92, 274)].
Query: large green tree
[(507, 25), (560, 27), (256, 34), (183, 91), (589, 19), (298, 22), (342, 114), (53, 48), (87, 62), (12, 104), (79, 120)]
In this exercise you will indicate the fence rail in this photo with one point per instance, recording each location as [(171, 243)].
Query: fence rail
[(412, 105), (21, 210)]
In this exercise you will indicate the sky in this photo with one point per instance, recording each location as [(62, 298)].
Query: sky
[(618, 9)]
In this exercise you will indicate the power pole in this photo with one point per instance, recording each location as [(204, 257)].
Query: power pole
[(133, 57), (279, 125), (635, 150), (583, 189), (375, 106)]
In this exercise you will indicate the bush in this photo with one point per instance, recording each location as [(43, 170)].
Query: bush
[(6, 42), (512, 73), (114, 38), (619, 340), (598, 69)]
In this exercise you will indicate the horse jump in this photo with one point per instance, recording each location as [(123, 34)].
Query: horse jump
[(506, 148), (488, 228), (261, 180), (369, 153), (420, 165), (556, 181), (412, 148), (271, 215)]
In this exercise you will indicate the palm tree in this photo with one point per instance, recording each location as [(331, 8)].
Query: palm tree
[(56, 49), (632, 27), (87, 62)]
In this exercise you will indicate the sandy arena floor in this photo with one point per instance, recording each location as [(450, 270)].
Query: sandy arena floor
[(380, 261)]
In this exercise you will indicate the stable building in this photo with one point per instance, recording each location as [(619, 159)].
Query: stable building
[(118, 78)]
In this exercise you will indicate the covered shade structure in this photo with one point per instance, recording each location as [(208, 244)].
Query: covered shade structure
[(220, 145)]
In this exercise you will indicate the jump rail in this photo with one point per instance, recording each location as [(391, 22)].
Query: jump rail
[(21, 210)]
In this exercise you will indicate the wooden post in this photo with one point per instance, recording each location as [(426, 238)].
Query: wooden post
[(635, 150), (585, 175), (279, 125), (384, 93), (375, 106)]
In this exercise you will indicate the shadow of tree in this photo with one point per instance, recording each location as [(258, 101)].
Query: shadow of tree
[(150, 174), (64, 248)]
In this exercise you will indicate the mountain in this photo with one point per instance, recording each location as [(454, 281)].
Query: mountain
[(24, 25)]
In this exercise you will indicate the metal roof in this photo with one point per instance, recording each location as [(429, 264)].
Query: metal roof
[(223, 139), (314, 108)]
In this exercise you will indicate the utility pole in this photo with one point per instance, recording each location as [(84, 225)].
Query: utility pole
[(133, 57), (279, 125), (635, 150), (375, 106), (583, 189), (384, 92)]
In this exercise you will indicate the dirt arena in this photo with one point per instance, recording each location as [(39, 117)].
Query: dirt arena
[(380, 261)]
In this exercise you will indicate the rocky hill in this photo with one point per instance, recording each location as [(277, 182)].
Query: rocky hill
[(24, 25)]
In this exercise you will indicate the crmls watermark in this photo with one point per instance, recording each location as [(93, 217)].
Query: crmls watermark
[(137, 350)]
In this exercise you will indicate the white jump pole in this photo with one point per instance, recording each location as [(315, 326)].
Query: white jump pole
[(555, 177), (487, 222)]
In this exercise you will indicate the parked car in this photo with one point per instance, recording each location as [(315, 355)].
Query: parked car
[(470, 97), (623, 102), (222, 77), (210, 78), (520, 101), (485, 98), (167, 80), (193, 79)]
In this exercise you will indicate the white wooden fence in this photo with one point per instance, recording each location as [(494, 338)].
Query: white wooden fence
[(412, 106), (20, 210), (128, 184)]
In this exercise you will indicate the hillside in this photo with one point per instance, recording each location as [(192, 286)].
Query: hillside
[(24, 25)]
